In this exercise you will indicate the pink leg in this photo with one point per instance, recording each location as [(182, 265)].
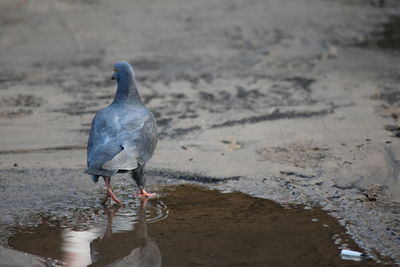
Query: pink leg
[(110, 193), (144, 193)]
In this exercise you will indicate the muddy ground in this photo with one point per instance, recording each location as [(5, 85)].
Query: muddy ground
[(189, 225), (294, 101)]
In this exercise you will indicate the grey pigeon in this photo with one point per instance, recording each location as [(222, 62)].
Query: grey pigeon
[(123, 136)]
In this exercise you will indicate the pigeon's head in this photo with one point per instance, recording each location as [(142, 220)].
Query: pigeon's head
[(122, 70)]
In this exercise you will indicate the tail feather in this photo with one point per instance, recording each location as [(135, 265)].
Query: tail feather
[(95, 178), (95, 170), (124, 160)]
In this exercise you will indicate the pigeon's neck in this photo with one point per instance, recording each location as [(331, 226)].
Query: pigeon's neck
[(127, 92)]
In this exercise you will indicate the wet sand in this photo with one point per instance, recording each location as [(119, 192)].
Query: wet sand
[(294, 101)]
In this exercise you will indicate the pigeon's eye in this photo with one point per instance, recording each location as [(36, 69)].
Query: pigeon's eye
[(115, 69)]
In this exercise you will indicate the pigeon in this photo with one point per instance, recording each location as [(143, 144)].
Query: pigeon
[(123, 136)]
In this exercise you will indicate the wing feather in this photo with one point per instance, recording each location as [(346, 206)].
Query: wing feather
[(120, 138)]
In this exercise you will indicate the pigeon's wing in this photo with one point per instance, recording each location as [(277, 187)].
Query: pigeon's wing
[(124, 160), (143, 140), (92, 141), (105, 143), (102, 144)]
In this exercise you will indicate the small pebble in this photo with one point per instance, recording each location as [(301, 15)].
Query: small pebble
[(338, 241)]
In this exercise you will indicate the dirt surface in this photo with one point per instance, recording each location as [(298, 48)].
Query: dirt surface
[(295, 101)]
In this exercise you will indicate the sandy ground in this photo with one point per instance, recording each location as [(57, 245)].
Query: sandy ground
[(295, 101)]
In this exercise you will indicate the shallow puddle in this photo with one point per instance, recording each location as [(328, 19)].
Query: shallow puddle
[(193, 226)]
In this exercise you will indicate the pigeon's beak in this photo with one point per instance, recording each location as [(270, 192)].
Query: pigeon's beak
[(113, 77)]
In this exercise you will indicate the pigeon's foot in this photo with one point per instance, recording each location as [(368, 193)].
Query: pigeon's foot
[(144, 193), (106, 201), (110, 192)]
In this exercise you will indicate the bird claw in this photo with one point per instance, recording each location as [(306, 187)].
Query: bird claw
[(144, 194), (116, 200), (107, 199)]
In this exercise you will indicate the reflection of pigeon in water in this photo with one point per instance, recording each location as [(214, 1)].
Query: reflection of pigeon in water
[(123, 135), (147, 254), (115, 249)]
